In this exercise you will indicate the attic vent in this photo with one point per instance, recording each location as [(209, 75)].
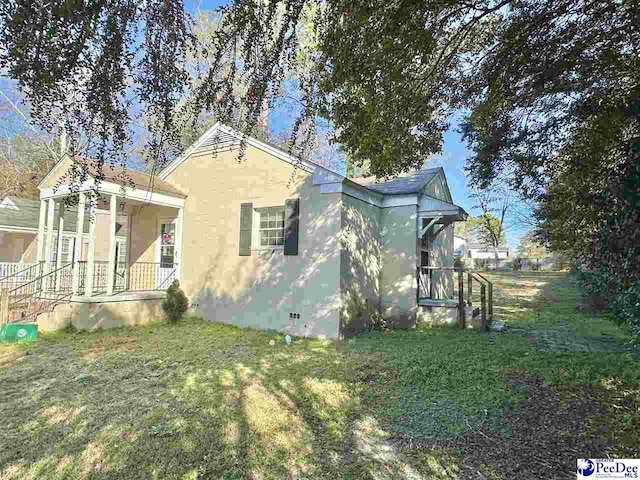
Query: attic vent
[(7, 203), (218, 141)]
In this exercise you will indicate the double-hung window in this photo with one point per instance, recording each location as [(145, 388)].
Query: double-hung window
[(271, 227)]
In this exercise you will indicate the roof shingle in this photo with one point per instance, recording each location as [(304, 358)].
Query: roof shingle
[(118, 175), (413, 183)]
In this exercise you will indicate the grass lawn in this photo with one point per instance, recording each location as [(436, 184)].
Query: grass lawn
[(204, 400)]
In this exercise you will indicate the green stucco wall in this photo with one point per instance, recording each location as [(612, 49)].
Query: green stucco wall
[(398, 283)]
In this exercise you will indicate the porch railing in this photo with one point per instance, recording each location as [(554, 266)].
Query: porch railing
[(134, 277), (40, 287), (448, 284), (151, 276), (438, 283), (41, 294), (480, 293), (13, 275)]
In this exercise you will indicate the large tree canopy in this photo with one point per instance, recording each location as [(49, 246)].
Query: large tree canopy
[(386, 74)]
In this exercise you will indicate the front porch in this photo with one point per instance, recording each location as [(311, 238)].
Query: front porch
[(125, 246), (445, 293)]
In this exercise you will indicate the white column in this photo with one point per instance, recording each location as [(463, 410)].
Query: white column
[(77, 249), (178, 242), (48, 249), (113, 211), (42, 222), (91, 254), (128, 267), (59, 244)]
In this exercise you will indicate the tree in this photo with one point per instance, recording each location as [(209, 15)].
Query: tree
[(531, 248), (489, 231), (26, 154), (466, 230), (495, 204)]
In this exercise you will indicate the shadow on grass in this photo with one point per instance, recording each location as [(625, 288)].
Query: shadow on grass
[(194, 401), (211, 401)]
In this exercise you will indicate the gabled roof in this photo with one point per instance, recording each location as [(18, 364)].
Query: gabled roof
[(120, 176), (24, 216), (412, 183), (220, 137), (8, 203)]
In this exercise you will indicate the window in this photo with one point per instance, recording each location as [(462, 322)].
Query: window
[(67, 250), (271, 231), (167, 244), (121, 251)]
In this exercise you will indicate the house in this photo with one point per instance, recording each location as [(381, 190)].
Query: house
[(18, 231), (481, 251), (268, 241), (459, 246)]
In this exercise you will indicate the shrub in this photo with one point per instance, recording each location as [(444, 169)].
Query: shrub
[(360, 314), (517, 264), (176, 303)]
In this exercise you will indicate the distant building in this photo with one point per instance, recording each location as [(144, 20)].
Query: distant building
[(459, 246), (480, 251)]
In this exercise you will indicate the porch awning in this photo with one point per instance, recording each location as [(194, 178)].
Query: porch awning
[(432, 207), (137, 186)]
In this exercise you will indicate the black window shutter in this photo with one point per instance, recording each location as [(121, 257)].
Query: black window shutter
[(292, 223), (246, 219)]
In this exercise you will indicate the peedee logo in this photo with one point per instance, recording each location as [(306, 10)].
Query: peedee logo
[(585, 467), (608, 468)]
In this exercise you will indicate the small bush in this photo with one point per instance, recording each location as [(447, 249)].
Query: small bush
[(176, 303), (361, 314), (517, 264)]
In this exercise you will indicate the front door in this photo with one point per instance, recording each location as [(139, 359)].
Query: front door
[(166, 253), (120, 266)]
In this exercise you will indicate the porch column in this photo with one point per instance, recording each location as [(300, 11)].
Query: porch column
[(48, 249), (77, 248), (59, 245), (178, 243), (42, 222), (113, 210), (91, 254)]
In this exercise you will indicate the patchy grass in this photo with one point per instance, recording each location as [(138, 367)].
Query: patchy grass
[(202, 400)]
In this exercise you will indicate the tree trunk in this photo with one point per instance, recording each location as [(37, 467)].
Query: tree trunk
[(495, 252)]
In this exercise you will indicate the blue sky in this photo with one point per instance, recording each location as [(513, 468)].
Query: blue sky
[(452, 158)]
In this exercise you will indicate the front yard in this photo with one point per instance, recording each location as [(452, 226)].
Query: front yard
[(211, 401)]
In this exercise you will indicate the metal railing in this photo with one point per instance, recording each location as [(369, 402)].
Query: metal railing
[(448, 284), (40, 295), (39, 288), (438, 283), (484, 300), (13, 275), (144, 276), (134, 277)]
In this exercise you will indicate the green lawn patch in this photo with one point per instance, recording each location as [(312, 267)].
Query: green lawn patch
[(202, 400)]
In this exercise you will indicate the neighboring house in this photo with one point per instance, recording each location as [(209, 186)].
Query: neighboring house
[(270, 241), (459, 246), (19, 219), (18, 230), (481, 251)]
